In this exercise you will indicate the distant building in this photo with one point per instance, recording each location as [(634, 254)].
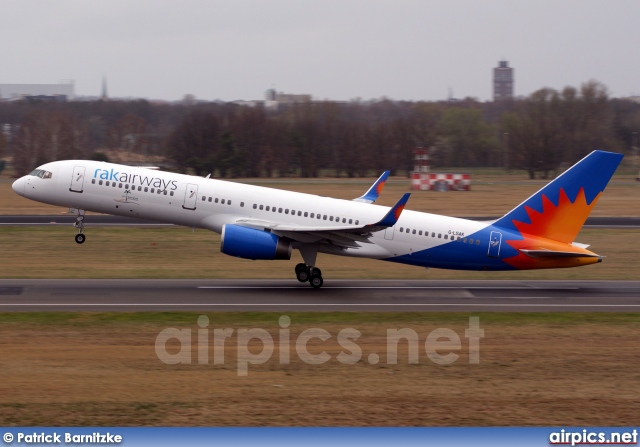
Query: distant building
[(502, 81), (105, 95), (20, 91), (272, 99)]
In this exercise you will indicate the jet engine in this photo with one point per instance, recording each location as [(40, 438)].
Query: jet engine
[(249, 243)]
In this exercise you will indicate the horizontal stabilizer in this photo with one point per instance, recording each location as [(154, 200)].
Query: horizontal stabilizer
[(374, 192), (557, 254)]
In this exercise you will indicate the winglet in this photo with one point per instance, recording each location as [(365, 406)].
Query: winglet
[(374, 192), (394, 213)]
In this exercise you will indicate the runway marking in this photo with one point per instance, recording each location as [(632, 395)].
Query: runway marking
[(394, 287), (308, 304)]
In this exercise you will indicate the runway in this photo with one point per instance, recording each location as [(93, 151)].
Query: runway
[(337, 295), (106, 220)]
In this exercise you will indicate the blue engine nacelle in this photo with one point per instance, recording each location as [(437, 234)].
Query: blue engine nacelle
[(249, 243)]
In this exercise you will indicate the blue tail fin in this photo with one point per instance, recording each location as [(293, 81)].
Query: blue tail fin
[(559, 210)]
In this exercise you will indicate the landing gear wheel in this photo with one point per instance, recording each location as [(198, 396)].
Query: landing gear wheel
[(316, 281), (302, 275), (302, 269), (80, 238)]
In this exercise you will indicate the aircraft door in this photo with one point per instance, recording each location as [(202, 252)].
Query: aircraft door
[(388, 233), (494, 244), (190, 197), (77, 179)]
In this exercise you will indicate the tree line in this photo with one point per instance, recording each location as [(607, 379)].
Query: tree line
[(538, 133)]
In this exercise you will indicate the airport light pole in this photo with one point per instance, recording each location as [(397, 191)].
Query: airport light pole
[(505, 143), (635, 149)]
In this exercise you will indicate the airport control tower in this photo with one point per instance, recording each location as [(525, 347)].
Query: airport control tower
[(502, 81)]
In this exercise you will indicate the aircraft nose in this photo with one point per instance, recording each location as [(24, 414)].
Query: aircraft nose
[(18, 186)]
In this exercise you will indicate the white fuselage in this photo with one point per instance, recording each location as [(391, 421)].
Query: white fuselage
[(210, 204)]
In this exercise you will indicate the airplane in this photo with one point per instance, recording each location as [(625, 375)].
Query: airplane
[(262, 223)]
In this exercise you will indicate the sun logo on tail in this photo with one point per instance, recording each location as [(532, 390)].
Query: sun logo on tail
[(562, 222), (553, 228)]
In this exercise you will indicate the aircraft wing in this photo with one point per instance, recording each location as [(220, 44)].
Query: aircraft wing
[(341, 235)]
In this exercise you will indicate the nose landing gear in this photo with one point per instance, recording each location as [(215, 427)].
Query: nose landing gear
[(79, 224), (305, 273)]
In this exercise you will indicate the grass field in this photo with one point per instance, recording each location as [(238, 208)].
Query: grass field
[(535, 369)]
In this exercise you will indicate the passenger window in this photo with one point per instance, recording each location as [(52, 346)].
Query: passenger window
[(268, 208), (273, 208), (241, 204), (222, 201), (165, 192), (261, 207), (171, 193), (139, 188), (433, 235), (357, 222), (324, 217), (100, 182), (216, 200), (286, 211), (414, 231), (331, 218), (113, 184), (93, 181), (464, 240), (471, 241), (210, 199), (146, 189), (350, 220), (477, 241), (458, 239), (420, 233), (439, 235), (306, 214), (401, 229), (204, 198), (126, 186), (153, 190), (300, 213), (446, 236), (119, 185), (107, 183), (255, 206)]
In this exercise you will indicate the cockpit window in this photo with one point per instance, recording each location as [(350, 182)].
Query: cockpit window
[(41, 173)]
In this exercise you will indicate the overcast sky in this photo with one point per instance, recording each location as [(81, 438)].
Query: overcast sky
[(342, 49)]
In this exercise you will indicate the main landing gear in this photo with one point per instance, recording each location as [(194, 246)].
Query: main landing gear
[(79, 224), (305, 273)]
